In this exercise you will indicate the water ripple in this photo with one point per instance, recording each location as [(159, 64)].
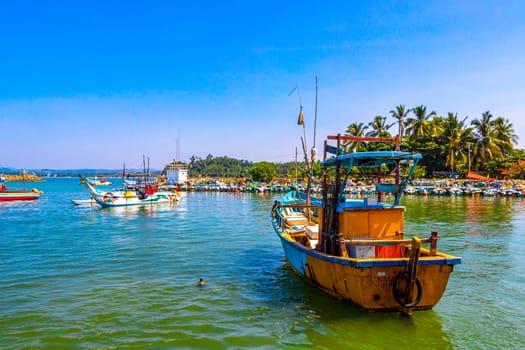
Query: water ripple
[(85, 277)]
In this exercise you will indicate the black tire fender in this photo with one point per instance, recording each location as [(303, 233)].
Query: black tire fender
[(395, 290)]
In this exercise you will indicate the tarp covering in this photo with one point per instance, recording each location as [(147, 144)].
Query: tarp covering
[(475, 176)]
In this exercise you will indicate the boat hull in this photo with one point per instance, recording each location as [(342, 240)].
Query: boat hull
[(368, 283), (18, 196), (123, 201)]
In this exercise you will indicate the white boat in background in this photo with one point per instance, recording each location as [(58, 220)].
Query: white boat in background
[(410, 190), (439, 191), (147, 194), (137, 180), (96, 181), (89, 201), (455, 191)]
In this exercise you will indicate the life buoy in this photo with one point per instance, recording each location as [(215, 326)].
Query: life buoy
[(397, 295), (109, 197)]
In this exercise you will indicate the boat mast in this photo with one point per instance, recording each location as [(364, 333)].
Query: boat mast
[(177, 150), (144, 169), (123, 176), (313, 153), (300, 121), (295, 164), (314, 150)]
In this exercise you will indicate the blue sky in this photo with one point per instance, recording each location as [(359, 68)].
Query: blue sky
[(101, 83)]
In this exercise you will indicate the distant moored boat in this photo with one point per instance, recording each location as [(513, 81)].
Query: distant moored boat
[(7, 194)]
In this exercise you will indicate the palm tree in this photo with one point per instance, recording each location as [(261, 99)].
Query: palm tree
[(419, 126), (487, 146), (505, 135), (379, 127), (400, 114), (456, 140), (354, 129)]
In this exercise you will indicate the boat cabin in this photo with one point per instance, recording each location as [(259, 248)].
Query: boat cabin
[(370, 218)]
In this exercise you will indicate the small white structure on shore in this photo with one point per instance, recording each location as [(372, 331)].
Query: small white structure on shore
[(176, 173)]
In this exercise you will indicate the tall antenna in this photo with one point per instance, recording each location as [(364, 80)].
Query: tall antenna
[(177, 152)]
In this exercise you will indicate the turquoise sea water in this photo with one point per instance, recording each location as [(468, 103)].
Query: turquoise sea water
[(126, 278)]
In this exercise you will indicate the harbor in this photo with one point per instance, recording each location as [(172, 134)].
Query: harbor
[(268, 175), (128, 277)]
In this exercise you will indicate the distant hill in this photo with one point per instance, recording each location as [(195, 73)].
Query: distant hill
[(73, 172)]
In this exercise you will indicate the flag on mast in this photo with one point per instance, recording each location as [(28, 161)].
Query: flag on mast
[(300, 121)]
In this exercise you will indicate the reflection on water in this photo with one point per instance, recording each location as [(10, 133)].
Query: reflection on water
[(148, 210)]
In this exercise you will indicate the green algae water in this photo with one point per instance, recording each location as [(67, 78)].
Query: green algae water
[(127, 278)]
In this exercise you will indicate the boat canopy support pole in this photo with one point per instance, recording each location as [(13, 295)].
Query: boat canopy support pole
[(433, 243)]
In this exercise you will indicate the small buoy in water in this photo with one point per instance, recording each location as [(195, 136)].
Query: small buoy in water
[(201, 283)]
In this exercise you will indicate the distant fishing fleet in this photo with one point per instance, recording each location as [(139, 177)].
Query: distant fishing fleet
[(491, 189), (434, 188)]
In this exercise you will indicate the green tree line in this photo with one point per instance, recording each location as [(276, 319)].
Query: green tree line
[(449, 144), (226, 167)]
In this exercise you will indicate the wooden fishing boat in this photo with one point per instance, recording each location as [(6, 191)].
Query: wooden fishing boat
[(148, 194), (7, 194), (357, 249)]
